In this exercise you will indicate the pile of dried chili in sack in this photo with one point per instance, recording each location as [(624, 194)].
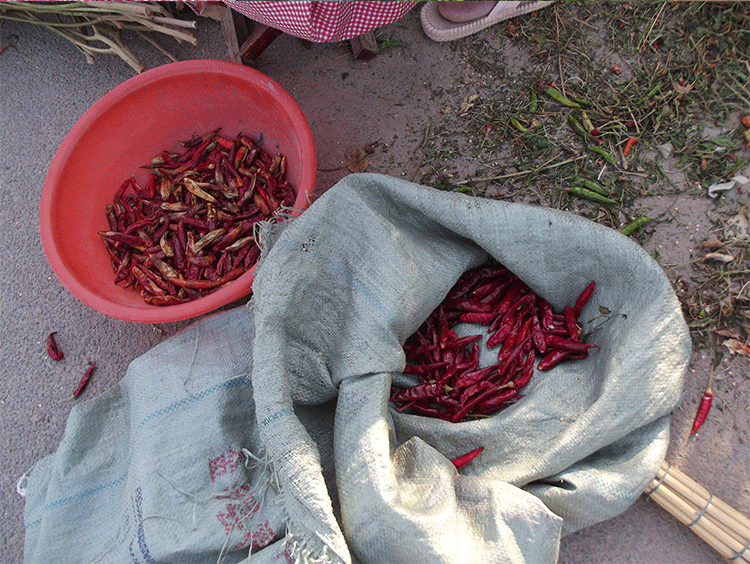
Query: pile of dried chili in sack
[(190, 229), (520, 324)]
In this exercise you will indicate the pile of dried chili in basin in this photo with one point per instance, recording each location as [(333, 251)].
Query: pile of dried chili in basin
[(522, 326), (190, 229)]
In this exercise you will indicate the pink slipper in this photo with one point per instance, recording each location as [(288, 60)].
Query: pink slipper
[(438, 28), (462, 12)]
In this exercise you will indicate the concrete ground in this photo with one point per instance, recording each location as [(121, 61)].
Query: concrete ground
[(46, 85)]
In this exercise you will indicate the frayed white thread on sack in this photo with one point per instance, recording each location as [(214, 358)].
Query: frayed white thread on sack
[(267, 231), (300, 551), (264, 465), (186, 494), (192, 362), (299, 547), (21, 484), (222, 552), (261, 466)]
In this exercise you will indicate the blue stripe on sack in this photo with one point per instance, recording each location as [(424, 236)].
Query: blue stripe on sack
[(274, 416), (159, 412), (86, 493), (191, 399)]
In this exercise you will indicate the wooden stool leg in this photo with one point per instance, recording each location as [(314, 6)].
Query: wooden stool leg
[(364, 47), (243, 45), (234, 27), (261, 37)]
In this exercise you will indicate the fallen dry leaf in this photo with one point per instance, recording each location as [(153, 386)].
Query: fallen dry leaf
[(682, 88), (728, 333), (737, 347), (357, 160), (711, 244), (468, 103), (718, 257)]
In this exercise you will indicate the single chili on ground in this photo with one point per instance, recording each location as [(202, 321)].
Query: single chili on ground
[(52, 349), (84, 380)]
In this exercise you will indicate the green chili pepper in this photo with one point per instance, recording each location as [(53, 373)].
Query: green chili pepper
[(586, 121), (534, 106), (587, 194), (537, 141), (654, 91), (577, 127), (517, 124), (591, 185), (636, 224), (555, 94), (602, 153)]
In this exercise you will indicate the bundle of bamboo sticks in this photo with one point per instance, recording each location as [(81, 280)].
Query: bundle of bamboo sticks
[(722, 527)]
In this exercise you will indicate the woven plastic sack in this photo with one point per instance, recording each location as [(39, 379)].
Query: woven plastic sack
[(267, 430), (164, 467), (341, 290)]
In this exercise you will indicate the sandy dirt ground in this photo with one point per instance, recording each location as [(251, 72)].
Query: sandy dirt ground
[(397, 101)]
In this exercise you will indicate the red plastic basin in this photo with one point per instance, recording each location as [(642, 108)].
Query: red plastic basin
[(121, 132)]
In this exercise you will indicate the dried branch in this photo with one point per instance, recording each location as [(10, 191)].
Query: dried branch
[(95, 27)]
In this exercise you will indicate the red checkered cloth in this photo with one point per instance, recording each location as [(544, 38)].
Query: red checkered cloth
[(331, 20)]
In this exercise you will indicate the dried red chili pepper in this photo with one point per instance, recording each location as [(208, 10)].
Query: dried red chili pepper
[(485, 289), (505, 328), (469, 378), (477, 317), (510, 297), (537, 335), (583, 298), (464, 341), (571, 323), (52, 349), (458, 415), (557, 342), (703, 410), (452, 384), (422, 391), (707, 399), (628, 144), (528, 371), (84, 380), (547, 317), (553, 358), (503, 396), (426, 410), (474, 390), (464, 459), (196, 213)]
